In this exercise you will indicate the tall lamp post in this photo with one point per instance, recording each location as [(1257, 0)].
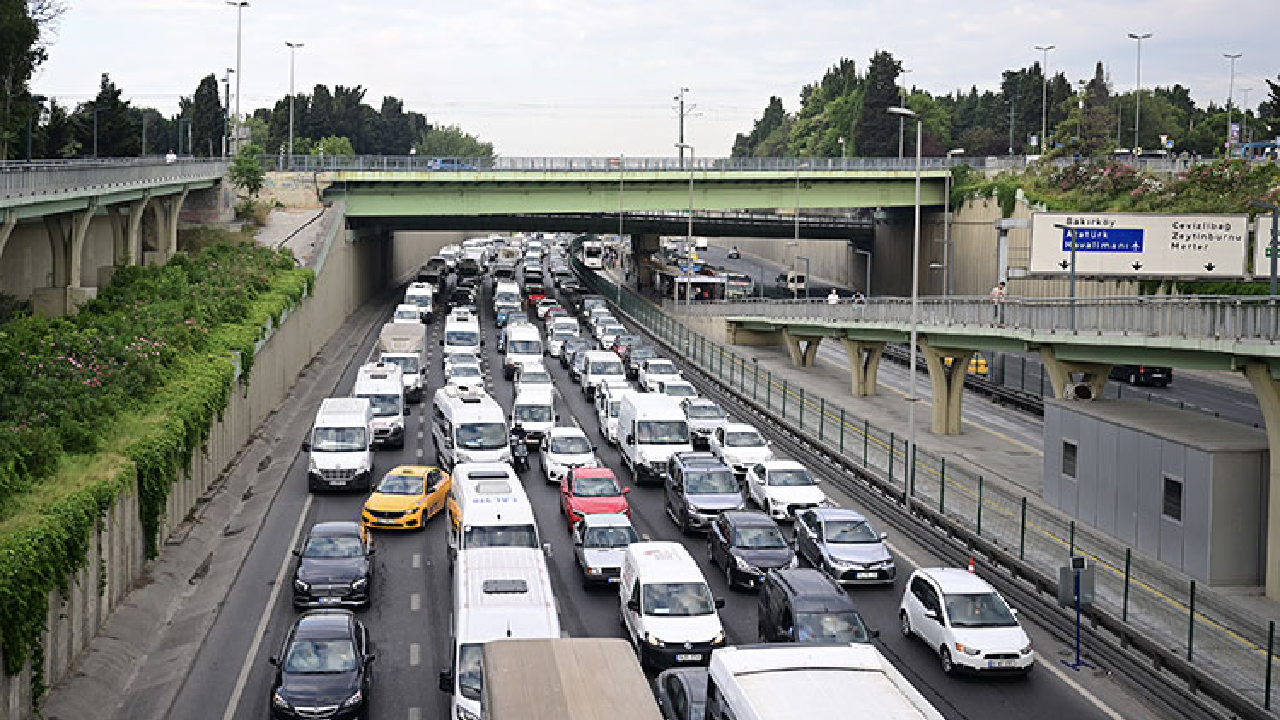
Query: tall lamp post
[(688, 287), (680, 143), (904, 113), (1137, 92), (795, 292), (1044, 97), (948, 287), (902, 98), (1231, 92), (622, 171), (239, 5), (293, 47)]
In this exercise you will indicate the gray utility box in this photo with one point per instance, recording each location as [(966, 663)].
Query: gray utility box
[(1179, 486)]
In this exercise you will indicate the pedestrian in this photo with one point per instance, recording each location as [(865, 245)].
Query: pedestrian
[(170, 158), (833, 298), (859, 298), (997, 303)]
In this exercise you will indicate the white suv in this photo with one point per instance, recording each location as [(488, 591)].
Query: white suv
[(965, 621), (740, 446), (564, 449), (783, 488)]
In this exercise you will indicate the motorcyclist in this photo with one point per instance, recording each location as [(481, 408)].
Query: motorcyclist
[(519, 448)]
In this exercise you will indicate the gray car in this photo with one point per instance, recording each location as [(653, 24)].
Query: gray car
[(704, 417), (599, 544), (698, 488), (843, 544)]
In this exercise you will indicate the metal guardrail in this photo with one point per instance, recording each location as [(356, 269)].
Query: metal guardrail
[(21, 180), (1214, 318)]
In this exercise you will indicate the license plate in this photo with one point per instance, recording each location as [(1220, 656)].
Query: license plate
[(338, 482), (329, 600), (867, 575), (689, 657), (385, 521), (613, 580), (1000, 663)]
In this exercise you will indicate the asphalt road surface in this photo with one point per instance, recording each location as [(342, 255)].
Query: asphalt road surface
[(409, 617)]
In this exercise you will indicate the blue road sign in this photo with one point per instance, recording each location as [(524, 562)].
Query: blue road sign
[(1108, 240)]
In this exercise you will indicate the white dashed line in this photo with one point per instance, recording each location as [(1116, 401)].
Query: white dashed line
[(415, 713), (417, 560), (415, 654), (420, 453), (415, 602)]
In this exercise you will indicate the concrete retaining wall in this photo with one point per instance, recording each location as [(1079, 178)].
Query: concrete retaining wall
[(353, 269)]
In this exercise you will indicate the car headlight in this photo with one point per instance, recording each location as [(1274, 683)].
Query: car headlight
[(300, 586), (279, 701), (356, 698), (718, 639), (593, 571), (1026, 650), (652, 640), (312, 467), (360, 584), (465, 714), (961, 647), (744, 566), (794, 562)]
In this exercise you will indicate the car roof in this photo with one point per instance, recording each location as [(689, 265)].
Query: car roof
[(956, 580), (534, 394), (606, 520), (336, 527), (813, 590), (592, 472), (566, 431), (328, 623), (749, 517), (838, 513), (783, 465), (699, 459), (739, 427)]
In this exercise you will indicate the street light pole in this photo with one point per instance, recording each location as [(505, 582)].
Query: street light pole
[(239, 5), (795, 292), (948, 287), (902, 112), (1137, 93), (681, 144), (1231, 92), (622, 171), (293, 47), (1044, 95), (902, 98), (688, 269)]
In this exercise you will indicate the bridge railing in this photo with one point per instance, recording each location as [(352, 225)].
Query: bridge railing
[(50, 177), (1239, 318)]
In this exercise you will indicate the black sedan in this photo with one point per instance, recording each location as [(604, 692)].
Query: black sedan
[(335, 567), (323, 668), (747, 544), (682, 693)]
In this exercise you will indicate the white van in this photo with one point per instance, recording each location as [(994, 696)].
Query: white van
[(498, 593), (383, 385), (468, 426), (488, 508), (667, 608), (341, 445), (523, 345), (602, 366), (652, 428), (423, 295), (534, 409), (407, 314), (406, 346), (608, 405), (461, 334)]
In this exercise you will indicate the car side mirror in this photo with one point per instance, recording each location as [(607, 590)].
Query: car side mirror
[(873, 633), (626, 490), (296, 553), (441, 342), (1013, 611), (368, 659), (555, 418), (594, 448), (577, 541), (406, 410), (631, 439), (546, 549), (884, 536), (719, 603), (446, 681), (633, 605), (274, 660), (371, 550), (306, 446), (931, 613)]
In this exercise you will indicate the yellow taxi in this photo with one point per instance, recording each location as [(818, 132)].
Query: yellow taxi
[(977, 365), (406, 498)]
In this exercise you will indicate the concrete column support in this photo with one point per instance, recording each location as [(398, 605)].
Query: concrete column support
[(864, 361), (804, 350), (117, 222), (133, 232), (57, 249), (948, 386), (79, 229), (1062, 375), (6, 228), (1267, 390)]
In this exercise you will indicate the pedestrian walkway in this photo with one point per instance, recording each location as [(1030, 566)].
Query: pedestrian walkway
[(293, 228), (992, 483)]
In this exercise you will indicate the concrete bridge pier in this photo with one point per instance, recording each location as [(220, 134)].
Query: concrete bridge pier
[(166, 209), (643, 247), (864, 362), (948, 385), (1062, 374), (804, 350), (66, 233), (1267, 390), (126, 238)]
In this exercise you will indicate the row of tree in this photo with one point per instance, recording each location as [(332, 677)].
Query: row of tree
[(845, 113)]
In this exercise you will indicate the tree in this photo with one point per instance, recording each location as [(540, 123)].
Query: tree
[(451, 141), (330, 146), (57, 135), (1090, 120), (207, 119), (876, 132), (1269, 109), (774, 115), (20, 54), (105, 125), (246, 172)]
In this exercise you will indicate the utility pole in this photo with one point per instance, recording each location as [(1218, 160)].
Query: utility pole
[(1231, 92), (226, 111), (902, 101), (239, 5), (292, 51), (682, 113), (1137, 92), (1044, 96)]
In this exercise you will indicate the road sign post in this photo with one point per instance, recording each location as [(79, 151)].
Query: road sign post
[(1079, 578)]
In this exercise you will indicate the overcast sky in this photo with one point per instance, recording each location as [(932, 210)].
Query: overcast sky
[(576, 77)]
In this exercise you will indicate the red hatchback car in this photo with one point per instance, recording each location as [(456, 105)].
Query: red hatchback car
[(592, 491)]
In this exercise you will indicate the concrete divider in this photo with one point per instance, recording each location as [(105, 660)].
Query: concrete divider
[(352, 269)]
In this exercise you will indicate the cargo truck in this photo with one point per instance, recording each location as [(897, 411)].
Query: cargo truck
[(405, 345)]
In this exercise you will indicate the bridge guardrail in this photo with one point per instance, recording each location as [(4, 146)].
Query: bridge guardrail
[(19, 180), (1215, 649)]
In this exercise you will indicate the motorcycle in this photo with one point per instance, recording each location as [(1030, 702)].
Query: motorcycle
[(519, 454)]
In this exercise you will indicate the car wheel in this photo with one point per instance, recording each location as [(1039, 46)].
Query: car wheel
[(685, 527), (948, 667), (728, 573), (904, 623), (711, 553)]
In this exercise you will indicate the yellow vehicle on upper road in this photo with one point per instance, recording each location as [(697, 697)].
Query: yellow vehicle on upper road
[(406, 498), (977, 365)]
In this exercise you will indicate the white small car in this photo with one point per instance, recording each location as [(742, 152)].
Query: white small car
[(783, 488), (544, 305), (407, 314), (655, 371), (557, 339), (740, 446), (965, 621), (606, 333), (465, 373), (532, 375), (677, 389), (564, 449)]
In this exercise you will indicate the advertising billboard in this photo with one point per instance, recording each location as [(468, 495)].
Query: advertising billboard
[(1140, 244)]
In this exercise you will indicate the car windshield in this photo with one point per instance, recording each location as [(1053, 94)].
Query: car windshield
[(849, 531), (482, 436), (461, 371), (759, 537), (320, 656), (743, 438), (507, 298), (677, 599), (524, 347), (661, 368), (331, 439), (470, 677), (710, 482), (516, 318), (606, 486), (975, 610), (563, 335), (791, 478), (609, 537), (606, 367), (679, 390), (384, 405), (662, 432), (831, 627), (569, 444), (407, 314), (535, 377), (614, 407), (461, 337), (333, 546), (517, 536), (408, 364), (401, 485), (533, 413), (422, 301)]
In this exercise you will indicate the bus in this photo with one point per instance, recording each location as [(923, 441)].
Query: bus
[(593, 254)]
